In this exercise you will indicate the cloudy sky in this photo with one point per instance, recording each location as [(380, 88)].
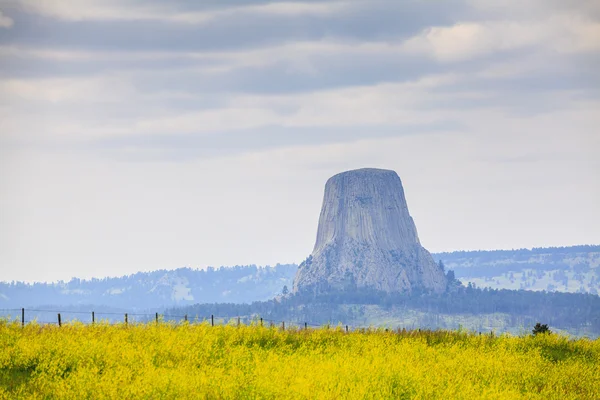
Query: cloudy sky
[(137, 135)]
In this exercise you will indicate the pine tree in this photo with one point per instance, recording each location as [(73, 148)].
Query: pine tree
[(540, 328)]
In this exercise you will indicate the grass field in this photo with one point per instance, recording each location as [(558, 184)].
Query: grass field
[(155, 361)]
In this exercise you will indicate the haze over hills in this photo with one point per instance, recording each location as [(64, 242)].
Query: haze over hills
[(561, 269)]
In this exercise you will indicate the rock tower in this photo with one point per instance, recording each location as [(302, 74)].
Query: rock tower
[(367, 238)]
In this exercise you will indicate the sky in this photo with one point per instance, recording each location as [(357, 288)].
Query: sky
[(140, 135)]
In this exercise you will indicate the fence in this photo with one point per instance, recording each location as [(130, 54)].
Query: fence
[(57, 317)]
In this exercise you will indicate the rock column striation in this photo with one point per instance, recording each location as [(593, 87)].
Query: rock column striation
[(367, 238)]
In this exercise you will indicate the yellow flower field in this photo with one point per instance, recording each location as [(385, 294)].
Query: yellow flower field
[(165, 360)]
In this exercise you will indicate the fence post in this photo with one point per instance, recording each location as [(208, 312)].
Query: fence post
[(346, 328), (185, 318), (238, 322), (212, 320), (93, 318), (261, 321), (59, 321), (125, 318), (283, 325), (22, 317), (157, 318), (305, 326)]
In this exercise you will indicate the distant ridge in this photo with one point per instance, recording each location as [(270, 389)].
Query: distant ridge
[(561, 269), (532, 250)]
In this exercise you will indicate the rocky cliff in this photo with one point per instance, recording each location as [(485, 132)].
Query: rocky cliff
[(367, 238)]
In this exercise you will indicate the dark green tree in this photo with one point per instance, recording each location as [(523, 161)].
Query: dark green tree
[(450, 276), (540, 328)]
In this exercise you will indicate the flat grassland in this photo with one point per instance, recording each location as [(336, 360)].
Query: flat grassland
[(163, 360)]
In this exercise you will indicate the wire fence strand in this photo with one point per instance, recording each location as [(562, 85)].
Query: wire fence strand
[(24, 316)]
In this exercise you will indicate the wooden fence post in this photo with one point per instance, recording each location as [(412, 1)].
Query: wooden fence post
[(59, 321), (22, 317), (305, 326), (238, 322), (346, 328), (93, 318), (185, 318), (212, 320), (157, 318), (261, 321), (283, 325), (125, 318)]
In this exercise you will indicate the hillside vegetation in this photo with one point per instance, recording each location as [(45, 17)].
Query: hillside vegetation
[(561, 269), (483, 310), (200, 361), (156, 289), (574, 269)]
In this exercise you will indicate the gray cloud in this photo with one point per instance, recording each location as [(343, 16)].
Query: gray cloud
[(5, 22), (114, 71), (379, 20), (177, 147)]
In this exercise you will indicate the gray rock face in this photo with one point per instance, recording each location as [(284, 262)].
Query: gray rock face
[(367, 238)]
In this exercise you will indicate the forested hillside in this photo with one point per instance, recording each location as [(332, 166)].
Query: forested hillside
[(157, 289), (561, 269), (483, 310)]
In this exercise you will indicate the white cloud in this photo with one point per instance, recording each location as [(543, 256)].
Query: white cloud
[(68, 90), (78, 10), (275, 8), (564, 33), (299, 56), (580, 35), (540, 9), (382, 104), (379, 104), (5, 21), (71, 55), (298, 8), (79, 106), (224, 119)]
